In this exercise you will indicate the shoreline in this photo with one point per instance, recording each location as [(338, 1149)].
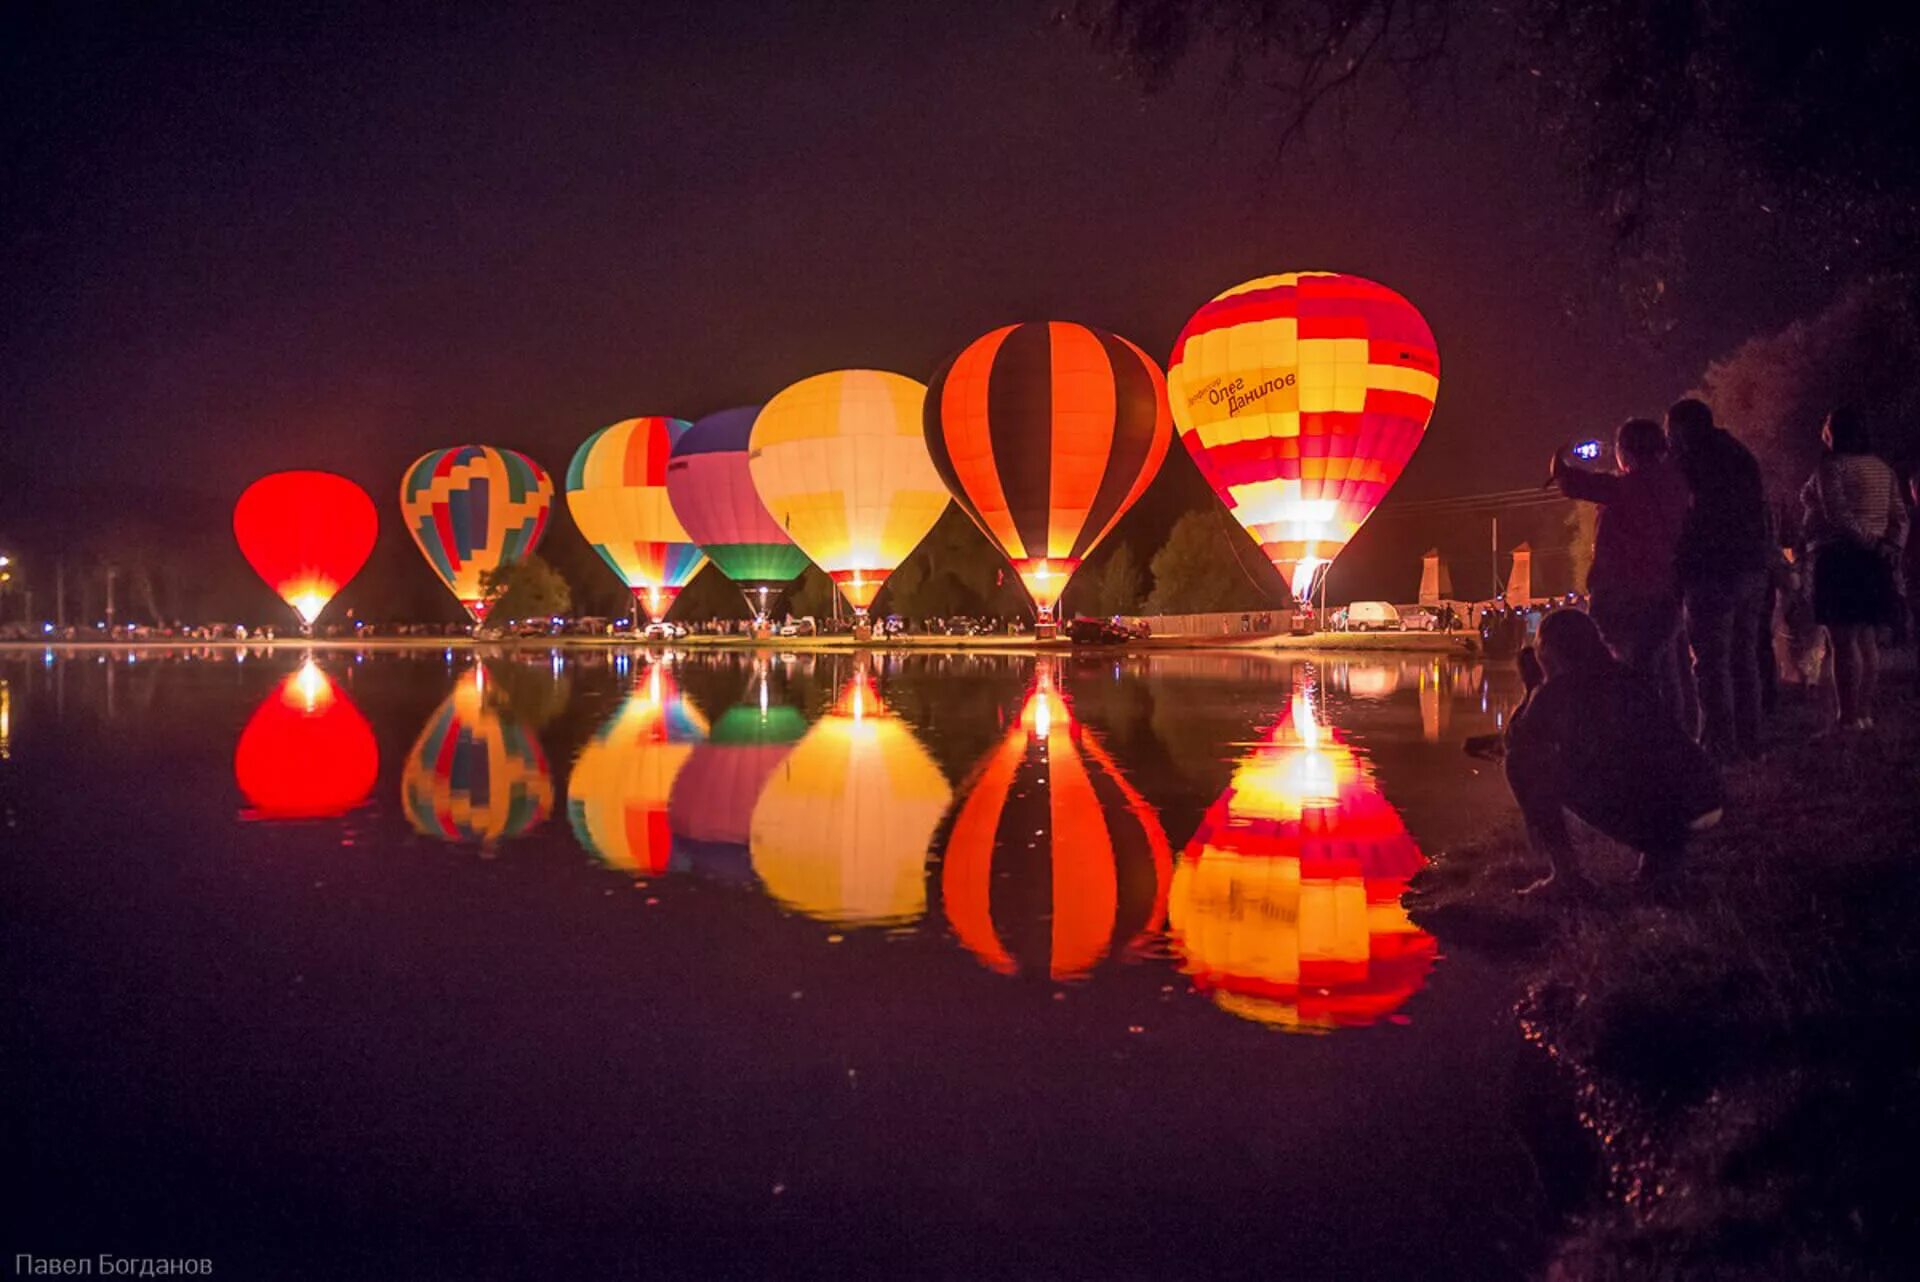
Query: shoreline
[(1464, 645)]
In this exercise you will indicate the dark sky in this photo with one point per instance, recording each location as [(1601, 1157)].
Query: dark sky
[(255, 236)]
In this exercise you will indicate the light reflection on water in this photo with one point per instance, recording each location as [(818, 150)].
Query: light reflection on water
[(1051, 816)]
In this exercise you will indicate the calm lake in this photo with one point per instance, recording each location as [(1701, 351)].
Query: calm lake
[(603, 962)]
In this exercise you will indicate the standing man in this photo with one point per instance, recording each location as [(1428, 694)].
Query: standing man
[(1723, 576), (1634, 582)]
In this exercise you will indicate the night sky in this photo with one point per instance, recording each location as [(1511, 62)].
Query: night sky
[(338, 236)]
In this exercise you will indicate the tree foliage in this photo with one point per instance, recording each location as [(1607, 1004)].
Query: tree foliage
[(1774, 391), (1194, 571), (1807, 109), (527, 589)]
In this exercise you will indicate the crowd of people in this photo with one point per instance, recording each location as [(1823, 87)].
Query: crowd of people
[(1634, 708)]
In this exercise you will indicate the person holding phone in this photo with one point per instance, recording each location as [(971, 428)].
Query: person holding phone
[(1634, 583)]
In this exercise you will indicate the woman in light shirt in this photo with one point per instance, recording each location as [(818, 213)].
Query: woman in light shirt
[(1856, 527)]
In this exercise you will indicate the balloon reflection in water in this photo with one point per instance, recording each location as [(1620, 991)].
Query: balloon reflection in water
[(307, 752), (1082, 861), (711, 810), (617, 794), (1286, 903), (842, 828), (476, 773)]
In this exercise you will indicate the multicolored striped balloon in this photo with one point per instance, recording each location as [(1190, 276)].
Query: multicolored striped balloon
[(1301, 397), (621, 781), (1286, 904), (711, 487), (472, 509), (841, 462), (617, 493), (1054, 861), (1046, 434), (475, 774)]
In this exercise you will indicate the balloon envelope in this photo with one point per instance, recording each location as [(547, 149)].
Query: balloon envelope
[(1054, 861), (1286, 904), (710, 813), (841, 462), (617, 794), (307, 752), (472, 509), (306, 534), (617, 493), (1046, 434), (842, 828), (475, 773), (1301, 397), (711, 487)]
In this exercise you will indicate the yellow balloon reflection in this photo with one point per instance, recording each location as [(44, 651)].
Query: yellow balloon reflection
[(475, 773), (842, 827), (1286, 903), (617, 795), (1054, 861)]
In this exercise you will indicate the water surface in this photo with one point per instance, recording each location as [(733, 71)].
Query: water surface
[(619, 962)]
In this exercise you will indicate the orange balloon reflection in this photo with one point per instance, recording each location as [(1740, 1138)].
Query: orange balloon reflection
[(621, 782), (842, 827), (307, 752), (1082, 860), (475, 774), (1286, 903)]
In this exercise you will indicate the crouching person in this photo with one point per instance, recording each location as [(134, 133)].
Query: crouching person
[(1591, 737)]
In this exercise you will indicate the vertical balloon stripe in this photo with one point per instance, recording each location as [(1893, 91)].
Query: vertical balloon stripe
[(1019, 409), (1142, 431), (957, 437), (1083, 429)]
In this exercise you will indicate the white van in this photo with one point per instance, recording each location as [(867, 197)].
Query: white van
[(1372, 616)]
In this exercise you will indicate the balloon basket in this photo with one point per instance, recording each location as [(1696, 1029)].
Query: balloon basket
[(1048, 631), (863, 631)]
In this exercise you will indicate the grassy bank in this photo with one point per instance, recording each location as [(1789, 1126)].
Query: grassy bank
[(1744, 1046)]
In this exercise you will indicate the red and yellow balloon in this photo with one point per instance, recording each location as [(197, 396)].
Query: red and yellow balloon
[(1301, 397), (1046, 434), (307, 534)]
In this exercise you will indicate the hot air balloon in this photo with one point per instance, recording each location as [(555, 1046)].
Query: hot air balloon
[(1046, 433), (306, 752), (1301, 397), (474, 508), (842, 828), (1054, 861), (1286, 904), (617, 795), (841, 462), (617, 492), (710, 813), (476, 773), (711, 486), (306, 534)]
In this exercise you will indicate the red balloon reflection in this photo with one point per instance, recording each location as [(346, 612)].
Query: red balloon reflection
[(1054, 861), (1286, 903), (307, 752)]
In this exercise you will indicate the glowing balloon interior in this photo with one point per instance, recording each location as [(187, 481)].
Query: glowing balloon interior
[(472, 509), (841, 463), (1050, 833), (617, 493), (1046, 434), (306, 534), (1301, 397), (711, 487), (307, 752), (1286, 903)]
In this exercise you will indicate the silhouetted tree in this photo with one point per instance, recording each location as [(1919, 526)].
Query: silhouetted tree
[(1192, 571), (527, 589)]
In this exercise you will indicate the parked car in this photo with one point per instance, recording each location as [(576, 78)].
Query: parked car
[(801, 627), (1373, 616), (1420, 618), (664, 630), (1090, 631)]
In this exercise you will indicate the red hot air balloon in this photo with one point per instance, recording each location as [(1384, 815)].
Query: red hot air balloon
[(306, 753), (306, 534), (1054, 861), (1301, 397), (1046, 434)]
